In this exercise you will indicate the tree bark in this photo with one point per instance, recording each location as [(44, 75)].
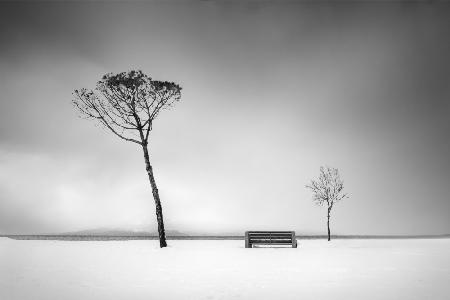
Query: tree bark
[(328, 225), (159, 214)]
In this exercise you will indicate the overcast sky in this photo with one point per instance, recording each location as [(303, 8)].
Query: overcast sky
[(271, 91)]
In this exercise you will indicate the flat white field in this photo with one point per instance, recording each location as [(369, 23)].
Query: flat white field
[(109, 270)]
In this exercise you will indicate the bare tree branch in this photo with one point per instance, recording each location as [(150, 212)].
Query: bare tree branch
[(127, 103)]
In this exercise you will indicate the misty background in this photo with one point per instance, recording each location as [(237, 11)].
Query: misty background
[(272, 90)]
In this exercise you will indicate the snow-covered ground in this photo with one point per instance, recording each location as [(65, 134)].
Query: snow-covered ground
[(109, 270)]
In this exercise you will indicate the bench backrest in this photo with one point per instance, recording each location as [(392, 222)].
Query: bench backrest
[(270, 238)]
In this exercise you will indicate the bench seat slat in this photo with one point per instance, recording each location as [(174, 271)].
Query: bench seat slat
[(278, 233), (271, 242), (267, 240), (274, 243), (272, 236), (281, 232)]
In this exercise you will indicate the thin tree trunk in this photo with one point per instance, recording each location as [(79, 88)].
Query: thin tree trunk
[(159, 214), (328, 225)]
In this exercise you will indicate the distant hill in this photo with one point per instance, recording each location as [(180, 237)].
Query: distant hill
[(120, 232)]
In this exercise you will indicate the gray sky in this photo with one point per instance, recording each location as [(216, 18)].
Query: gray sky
[(271, 91)]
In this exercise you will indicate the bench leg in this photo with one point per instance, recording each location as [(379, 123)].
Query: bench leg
[(247, 241)]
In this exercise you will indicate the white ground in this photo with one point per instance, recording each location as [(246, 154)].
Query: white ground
[(109, 270)]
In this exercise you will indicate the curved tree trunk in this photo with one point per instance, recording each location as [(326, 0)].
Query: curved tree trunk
[(159, 214)]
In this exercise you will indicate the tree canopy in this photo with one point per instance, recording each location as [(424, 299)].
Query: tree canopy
[(127, 103), (328, 188)]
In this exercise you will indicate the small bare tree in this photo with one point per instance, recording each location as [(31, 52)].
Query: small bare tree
[(127, 103), (327, 189)]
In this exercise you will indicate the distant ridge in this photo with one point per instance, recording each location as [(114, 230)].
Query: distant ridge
[(119, 232)]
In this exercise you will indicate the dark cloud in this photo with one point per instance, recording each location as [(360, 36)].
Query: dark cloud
[(271, 91)]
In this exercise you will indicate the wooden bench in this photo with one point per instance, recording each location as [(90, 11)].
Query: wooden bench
[(270, 238)]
